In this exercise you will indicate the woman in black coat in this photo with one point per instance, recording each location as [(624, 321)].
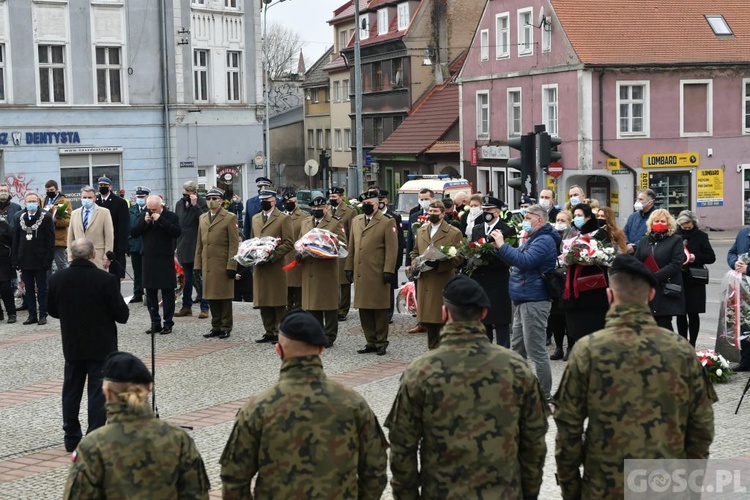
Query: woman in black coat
[(585, 310), (661, 250), (701, 253), (6, 271)]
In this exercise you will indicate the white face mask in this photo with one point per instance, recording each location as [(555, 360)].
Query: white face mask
[(561, 226), (475, 211), (638, 206), (545, 204), (425, 204)]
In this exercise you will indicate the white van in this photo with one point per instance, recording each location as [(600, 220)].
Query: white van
[(442, 185)]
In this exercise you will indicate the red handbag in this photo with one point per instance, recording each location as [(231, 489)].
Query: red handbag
[(591, 282)]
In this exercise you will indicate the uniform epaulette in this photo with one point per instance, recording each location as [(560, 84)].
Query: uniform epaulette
[(388, 215), (337, 217)]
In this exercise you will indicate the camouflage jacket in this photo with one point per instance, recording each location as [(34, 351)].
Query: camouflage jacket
[(477, 416), (645, 395), (305, 437), (136, 456)]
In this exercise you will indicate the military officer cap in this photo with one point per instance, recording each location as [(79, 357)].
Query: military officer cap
[(289, 194), (491, 202), (267, 193), (124, 367), (464, 291), (215, 192), (368, 195), (336, 190), (526, 200), (104, 180), (302, 326), (382, 194), (263, 181), (625, 263), (318, 201), (142, 191)]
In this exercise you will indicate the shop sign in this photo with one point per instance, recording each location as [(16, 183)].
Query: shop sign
[(474, 157), (16, 138), (710, 188), (92, 150), (644, 180), (613, 163), (614, 203), (671, 160), (495, 152), (187, 164), (227, 174), (621, 171)]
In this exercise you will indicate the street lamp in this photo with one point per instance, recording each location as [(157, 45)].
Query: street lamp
[(267, 83)]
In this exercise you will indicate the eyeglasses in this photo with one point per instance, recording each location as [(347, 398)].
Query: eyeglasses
[(213, 198)]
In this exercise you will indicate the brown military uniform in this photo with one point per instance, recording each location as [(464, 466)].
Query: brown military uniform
[(294, 275), (645, 395), (346, 214), (372, 250)]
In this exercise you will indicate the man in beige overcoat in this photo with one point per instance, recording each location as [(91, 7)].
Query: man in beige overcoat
[(93, 223), (321, 276), (373, 246), (294, 275), (269, 279), (215, 249), (431, 283), (346, 214)]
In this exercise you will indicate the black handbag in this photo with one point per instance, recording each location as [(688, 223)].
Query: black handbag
[(554, 281), (698, 274), (672, 290)]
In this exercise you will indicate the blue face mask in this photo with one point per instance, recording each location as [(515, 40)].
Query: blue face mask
[(526, 226), (87, 203), (140, 201), (523, 211), (579, 221), (575, 200), (32, 207)]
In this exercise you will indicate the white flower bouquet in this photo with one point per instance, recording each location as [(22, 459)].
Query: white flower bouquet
[(431, 257), (256, 250), (716, 366)]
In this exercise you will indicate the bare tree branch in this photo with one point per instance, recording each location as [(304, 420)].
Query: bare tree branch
[(282, 51)]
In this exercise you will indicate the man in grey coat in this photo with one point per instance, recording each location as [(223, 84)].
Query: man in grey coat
[(188, 209)]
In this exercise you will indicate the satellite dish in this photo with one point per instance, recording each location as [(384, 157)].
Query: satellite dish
[(311, 168)]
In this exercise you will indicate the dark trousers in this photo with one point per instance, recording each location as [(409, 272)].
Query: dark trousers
[(581, 322), (137, 260), (76, 373), (501, 330), (221, 315), (193, 279), (433, 334), (556, 323), (393, 301), (293, 297), (35, 283), (689, 323), (745, 349), (329, 320), (271, 317), (6, 293), (152, 301), (118, 267), (345, 299), (664, 322), (375, 326)]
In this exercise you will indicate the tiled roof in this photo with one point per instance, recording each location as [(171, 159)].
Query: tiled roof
[(346, 12), (427, 124), (338, 63), (392, 33), (445, 147), (316, 76), (629, 32)]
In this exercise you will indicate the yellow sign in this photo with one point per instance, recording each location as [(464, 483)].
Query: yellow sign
[(710, 188), (644, 180), (613, 164), (669, 160), (614, 203)]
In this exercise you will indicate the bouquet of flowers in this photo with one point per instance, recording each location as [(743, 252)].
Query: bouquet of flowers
[(319, 244), (586, 251), (430, 258), (716, 366), (256, 250), (421, 219), (476, 254), (734, 311), (60, 211)]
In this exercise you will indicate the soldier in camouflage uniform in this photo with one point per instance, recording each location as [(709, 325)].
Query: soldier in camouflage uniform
[(306, 436), (641, 387), (473, 411), (135, 455)]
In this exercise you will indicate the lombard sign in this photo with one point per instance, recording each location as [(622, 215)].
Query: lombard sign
[(16, 138), (671, 160), (495, 152)]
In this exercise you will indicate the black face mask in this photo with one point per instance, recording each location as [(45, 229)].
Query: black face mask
[(368, 209), (290, 206), (601, 222), (265, 205), (488, 217), (186, 197), (318, 214), (103, 189), (334, 203), (51, 194), (434, 219), (460, 208)]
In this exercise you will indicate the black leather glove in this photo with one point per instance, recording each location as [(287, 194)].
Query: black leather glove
[(389, 278), (349, 276), (432, 263), (299, 256), (231, 273)]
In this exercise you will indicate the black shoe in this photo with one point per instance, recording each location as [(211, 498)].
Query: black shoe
[(329, 345), (739, 367), (265, 339), (342, 318), (557, 355), (166, 330), (367, 349), (42, 320), (11, 318), (136, 299), (154, 329), (71, 444), (565, 358), (211, 334), (223, 335), (30, 321), (22, 307), (380, 351)]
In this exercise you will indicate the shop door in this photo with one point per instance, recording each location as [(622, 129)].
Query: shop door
[(229, 179), (672, 191)]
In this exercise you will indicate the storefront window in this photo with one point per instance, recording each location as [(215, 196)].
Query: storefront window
[(77, 171), (672, 191), (229, 179)]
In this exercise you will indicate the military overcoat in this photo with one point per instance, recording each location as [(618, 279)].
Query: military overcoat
[(269, 280), (320, 277), (214, 253), (294, 275)]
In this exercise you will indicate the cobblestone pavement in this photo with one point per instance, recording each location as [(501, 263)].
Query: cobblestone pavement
[(201, 383)]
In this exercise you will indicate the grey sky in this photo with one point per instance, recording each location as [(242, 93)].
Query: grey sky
[(309, 19)]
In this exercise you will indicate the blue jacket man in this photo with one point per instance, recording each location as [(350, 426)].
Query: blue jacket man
[(531, 302), (635, 227), (252, 206), (741, 246)]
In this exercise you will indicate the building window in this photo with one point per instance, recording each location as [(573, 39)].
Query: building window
[(345, 89), (377, 131), (321, 144), (108, 72), (337, 140), (2, 72), (484, 45), (310, 139), (328, 139), (348, 139), (514, 112), (337, 91), (403, 16), (483, 115), (696, 108), (343, 40), (51, 73), (199, 2), (364, 27), (502, 36), (525, 32), (233, 76), (632, 109), (77, 171), (547, 34), (200, 75), (719, 25), (314, 96), (232, 4), (383, 21), (746, 103), (377, 76), (549, 108)]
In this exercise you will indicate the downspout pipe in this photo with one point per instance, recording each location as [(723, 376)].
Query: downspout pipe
[(601, 132), (165, 93)]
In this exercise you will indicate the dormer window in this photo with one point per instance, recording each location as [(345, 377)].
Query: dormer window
[(403, 16), (383, 21), (364, 27), (719, 25)]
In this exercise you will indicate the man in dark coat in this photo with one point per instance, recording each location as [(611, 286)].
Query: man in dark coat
[(252, 205), (33, 252), (118, 209), (188, 210), (492, 273), (424, 197), (7, 274), (135, 244), (387, 209), (9, 209), (87, 301), (159, 230)]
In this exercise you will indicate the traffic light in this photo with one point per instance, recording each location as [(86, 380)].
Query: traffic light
[(526, 163), (548, 149)]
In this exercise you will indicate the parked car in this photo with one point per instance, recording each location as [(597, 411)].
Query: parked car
[(305, 196)]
